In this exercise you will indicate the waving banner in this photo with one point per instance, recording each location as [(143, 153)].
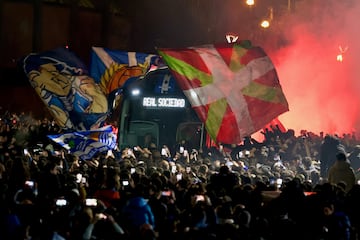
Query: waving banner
[(234, 88), (71, 95), (85, 144), (112, 69)]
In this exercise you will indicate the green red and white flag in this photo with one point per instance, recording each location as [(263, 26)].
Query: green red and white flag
[(234, 88)]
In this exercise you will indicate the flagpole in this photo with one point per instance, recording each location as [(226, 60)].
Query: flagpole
[(202, 136)]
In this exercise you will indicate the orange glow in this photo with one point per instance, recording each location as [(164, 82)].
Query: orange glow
[(339, 58), (322, 92), (250, 2), (265, 24), (327, 99)]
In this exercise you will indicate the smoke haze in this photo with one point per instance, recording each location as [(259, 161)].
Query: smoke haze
[(323, 93)]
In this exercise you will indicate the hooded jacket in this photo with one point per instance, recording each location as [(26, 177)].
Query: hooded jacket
[(138, 212), (341, 171)]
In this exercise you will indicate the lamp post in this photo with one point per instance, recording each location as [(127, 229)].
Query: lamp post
[(289, 5), (265, 23)]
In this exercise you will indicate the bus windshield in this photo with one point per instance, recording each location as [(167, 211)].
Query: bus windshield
[(157, 116)]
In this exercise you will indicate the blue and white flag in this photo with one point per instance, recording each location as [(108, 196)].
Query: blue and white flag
[(103, 59), (85, 144), (112, 70)]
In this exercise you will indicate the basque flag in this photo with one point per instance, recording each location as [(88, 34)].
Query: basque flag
[(234, 88)]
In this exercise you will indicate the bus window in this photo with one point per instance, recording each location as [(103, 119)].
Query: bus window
[(192, 133), (146, 133), (142, 133)]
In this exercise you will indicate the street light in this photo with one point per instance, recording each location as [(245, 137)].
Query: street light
[(250, 2), (265, 24), (340, 56)]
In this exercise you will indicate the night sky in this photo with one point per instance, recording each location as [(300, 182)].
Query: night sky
[(304, 43), (323, 93)]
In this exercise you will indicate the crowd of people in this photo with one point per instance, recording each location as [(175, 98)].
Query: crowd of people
[(285, 187)]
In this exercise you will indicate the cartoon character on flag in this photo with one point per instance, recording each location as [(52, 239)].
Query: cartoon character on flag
[(74, 99), (234, 88), (63, 84)]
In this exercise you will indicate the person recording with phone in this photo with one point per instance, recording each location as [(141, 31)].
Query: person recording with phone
[(109, 192), (137, 212), (101, 225), (51, 183), (165, 153)]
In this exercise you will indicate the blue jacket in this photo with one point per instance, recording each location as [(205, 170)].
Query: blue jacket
[(138, 212)]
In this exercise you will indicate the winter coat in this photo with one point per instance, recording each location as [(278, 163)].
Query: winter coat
[(341, 171), (137, 212)]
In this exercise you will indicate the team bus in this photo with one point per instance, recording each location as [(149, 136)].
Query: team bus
[(155, 110)]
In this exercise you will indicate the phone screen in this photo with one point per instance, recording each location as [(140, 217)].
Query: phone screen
[(279, 182), (166, 193), (78, 177), (29, 184), (179, 176), (272, 182), (163, 151), (91, 202), (199, 198), (61, 202), (101, 216)]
